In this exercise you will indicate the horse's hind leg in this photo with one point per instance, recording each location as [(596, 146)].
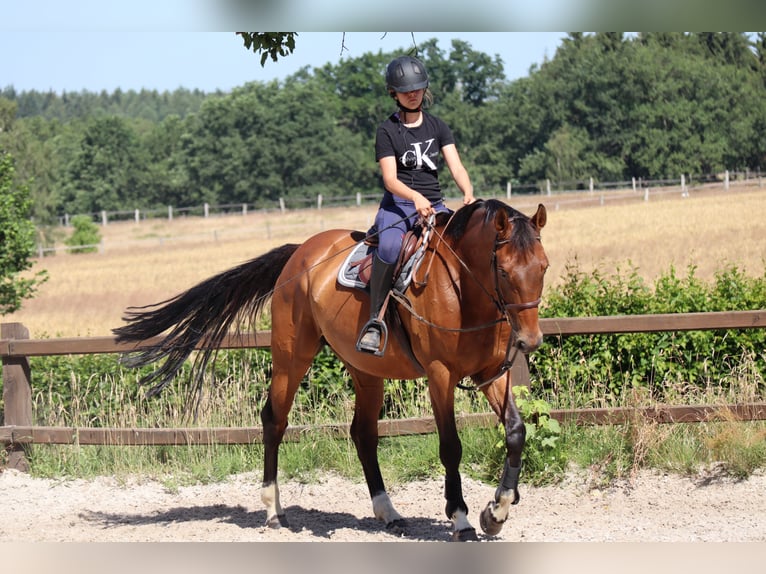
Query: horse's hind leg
[(364, 433), (290, 363)]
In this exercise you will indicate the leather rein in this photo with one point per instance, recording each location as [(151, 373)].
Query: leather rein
[(505, 309)]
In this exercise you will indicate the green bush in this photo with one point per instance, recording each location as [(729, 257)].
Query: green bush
[(85, 236), (589, 368)]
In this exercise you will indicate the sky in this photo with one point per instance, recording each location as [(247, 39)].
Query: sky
[(94, 45), (95, 60)]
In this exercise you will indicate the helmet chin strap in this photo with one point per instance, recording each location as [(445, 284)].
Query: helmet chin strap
[(408, 110)]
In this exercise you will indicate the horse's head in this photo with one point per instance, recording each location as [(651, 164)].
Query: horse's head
[(520, 264), (513, 273)]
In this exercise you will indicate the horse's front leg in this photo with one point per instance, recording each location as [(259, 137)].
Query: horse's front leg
[(450, 453), (496, 512), (364, 433)]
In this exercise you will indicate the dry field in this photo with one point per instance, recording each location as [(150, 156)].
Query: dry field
[(142, 263)]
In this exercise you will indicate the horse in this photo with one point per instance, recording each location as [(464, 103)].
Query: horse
[(471, 307)]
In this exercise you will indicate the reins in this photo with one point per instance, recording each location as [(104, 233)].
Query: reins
[(504, 308)]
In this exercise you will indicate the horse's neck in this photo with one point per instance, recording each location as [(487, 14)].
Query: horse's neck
[(474, 283)]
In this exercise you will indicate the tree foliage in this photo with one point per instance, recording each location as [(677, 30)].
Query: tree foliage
[(17, 235), (607, 105)]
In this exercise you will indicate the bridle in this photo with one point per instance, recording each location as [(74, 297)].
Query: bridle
[(505, 309)]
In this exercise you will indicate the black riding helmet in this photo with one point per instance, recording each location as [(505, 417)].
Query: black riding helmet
[(406, 74)]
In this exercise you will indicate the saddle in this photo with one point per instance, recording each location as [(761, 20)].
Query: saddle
[(355, 270)]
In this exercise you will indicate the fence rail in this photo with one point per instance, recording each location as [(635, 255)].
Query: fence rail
[(16, 347), (726, 180)]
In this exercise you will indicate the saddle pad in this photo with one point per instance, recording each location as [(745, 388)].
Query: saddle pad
[(354, 272)]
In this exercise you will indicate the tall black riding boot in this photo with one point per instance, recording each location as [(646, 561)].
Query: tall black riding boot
[(381, 278)]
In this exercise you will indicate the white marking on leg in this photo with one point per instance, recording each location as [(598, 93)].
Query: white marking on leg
[(270, 498), (460, 521), (503, 506), (383, 509)]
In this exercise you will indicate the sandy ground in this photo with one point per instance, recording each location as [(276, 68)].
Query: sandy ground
[(651, 507)]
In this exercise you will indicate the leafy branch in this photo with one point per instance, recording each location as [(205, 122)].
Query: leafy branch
[(269, 44)]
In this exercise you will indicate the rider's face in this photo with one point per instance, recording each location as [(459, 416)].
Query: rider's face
[(411, 100)]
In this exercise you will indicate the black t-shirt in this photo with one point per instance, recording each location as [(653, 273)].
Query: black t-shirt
[(416, 151)]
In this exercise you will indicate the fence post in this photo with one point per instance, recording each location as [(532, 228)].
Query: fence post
[(103, 218), (244, 209), (726, 180), (137, 216), (17, 394), (508, 190), (170, 213), (319, 201), (282, 204), (358, 198), (206, 210)]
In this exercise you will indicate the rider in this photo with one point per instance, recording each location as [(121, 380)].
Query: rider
[(407, 146)]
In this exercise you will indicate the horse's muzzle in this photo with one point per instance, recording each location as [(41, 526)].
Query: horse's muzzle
[(527, 344)]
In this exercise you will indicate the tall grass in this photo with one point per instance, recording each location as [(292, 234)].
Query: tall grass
[(234, 398)]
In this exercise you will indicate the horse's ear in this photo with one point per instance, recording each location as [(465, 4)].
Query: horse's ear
[(501, 222), (540, 217)]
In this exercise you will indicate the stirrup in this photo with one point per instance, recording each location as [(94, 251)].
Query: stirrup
[(382, 329)]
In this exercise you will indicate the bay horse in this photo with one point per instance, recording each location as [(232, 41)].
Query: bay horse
[(472, 305)]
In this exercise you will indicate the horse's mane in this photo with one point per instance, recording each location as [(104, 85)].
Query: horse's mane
[(522, 236)]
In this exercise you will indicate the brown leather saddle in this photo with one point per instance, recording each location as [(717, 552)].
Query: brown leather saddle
[(356, 268)]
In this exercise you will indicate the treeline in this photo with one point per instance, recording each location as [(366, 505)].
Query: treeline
[(607, 105)]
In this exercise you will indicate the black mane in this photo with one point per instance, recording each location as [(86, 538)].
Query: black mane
[(522, 235)]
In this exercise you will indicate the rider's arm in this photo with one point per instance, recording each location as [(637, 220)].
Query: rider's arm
[(458, 172)]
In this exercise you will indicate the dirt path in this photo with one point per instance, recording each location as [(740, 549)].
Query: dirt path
[(652, 507)]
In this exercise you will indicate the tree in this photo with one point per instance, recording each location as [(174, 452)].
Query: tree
[(105, 173), (16, 240)]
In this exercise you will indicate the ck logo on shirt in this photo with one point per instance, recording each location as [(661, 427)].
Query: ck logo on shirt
[(417, 157)]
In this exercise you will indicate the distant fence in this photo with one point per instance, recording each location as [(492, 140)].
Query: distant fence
[(573, 194), (641, 187), (16, 348)]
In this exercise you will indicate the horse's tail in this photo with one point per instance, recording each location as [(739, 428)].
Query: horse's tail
[(205, 312)]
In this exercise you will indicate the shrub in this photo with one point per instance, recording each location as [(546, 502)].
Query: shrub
[(85, 236), (588, 368)]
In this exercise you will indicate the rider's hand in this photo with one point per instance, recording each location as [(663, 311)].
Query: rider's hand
[(422, 205)]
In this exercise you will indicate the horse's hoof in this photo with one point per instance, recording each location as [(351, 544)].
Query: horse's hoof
[(489, 524), (397, 527), (277, 521), (465, 535)]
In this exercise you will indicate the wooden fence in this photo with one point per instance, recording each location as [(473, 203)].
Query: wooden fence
[(16, 347)]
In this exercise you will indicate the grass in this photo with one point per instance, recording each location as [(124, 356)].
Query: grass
[(605, 453), (87, 294)]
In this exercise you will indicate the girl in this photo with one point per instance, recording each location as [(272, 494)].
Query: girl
[(407, 147)]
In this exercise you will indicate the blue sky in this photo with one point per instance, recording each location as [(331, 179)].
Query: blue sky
[(94, 45), (96, 59)]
